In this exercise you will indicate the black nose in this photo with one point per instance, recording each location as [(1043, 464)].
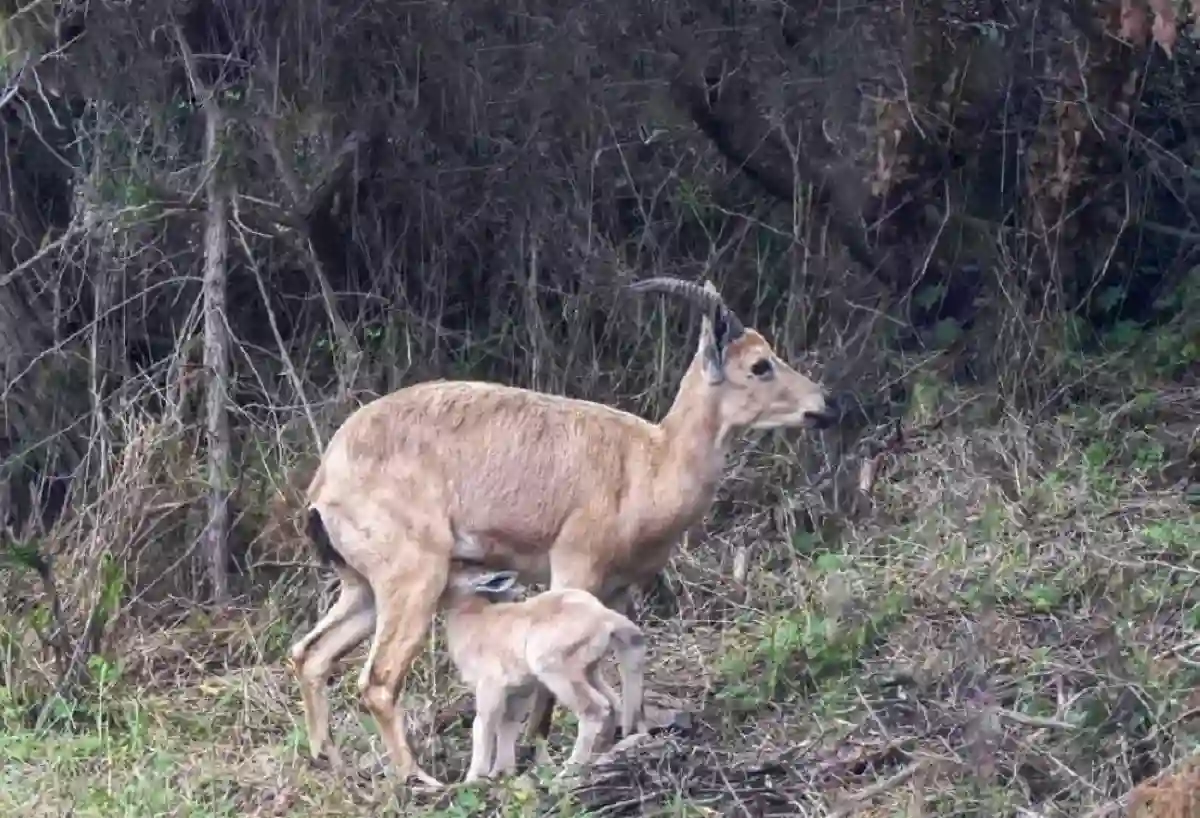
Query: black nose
[(837, 404)]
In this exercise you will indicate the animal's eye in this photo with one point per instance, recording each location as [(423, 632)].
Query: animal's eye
[(760, 367)]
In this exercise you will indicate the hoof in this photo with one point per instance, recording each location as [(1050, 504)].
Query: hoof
[(541, 754), (662, 719), (568, 777), (328, 761), (420, 781), (623, 746)]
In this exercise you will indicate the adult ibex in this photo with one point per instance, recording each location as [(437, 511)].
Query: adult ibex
[(575, 492)]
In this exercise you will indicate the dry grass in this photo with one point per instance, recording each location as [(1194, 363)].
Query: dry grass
[(1012, 628)]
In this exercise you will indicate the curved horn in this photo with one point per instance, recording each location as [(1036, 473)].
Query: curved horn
[(696, 294)]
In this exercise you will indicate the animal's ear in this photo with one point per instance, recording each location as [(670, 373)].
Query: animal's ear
[(724, 326), (714, 339), (713, 352), (497, 582)]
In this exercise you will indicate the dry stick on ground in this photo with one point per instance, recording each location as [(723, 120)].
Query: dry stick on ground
[(70, 232), (871, 466), (216, 333), (879, 788), (14, 85), (873, 453)]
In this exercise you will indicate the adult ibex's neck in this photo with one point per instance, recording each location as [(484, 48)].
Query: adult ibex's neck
[(694, 439)]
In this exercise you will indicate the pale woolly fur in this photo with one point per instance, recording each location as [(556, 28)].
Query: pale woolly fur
[(502, 648), (577, 493)]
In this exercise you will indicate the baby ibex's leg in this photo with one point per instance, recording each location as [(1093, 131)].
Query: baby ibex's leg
[(489, 713), (590, 706), (348, 621), (407, 591), (631, 659), (541, 714), (515, 710), (596, 680)]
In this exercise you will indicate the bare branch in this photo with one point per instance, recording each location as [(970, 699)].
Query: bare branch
[(266, 126), (14, 87), (306, 205), (288, 366)]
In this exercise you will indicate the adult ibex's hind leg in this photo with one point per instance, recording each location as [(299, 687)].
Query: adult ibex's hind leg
[(407, 591), (351, 591), (348, 622), (537, 729)]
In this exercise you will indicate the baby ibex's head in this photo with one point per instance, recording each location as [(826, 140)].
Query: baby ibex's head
[(471, 582), (757, 389)]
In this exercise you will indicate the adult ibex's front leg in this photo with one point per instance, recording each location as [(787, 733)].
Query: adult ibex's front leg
[(577, 574), (537, 729)]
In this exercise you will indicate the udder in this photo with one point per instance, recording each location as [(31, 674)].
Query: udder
[(497, 552)]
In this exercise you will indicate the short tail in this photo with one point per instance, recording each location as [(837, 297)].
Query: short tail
[(631, 659), (326, 553)]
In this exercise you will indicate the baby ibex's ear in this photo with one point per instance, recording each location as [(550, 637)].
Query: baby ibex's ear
[(497, 582)]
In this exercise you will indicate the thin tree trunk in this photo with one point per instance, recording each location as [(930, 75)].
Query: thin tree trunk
[(215, 542), (216, 361)]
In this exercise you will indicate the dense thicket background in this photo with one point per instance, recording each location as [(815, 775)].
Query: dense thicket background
[(980, 218)]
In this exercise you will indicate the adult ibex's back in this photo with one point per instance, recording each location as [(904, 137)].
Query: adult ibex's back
[(573, 491)]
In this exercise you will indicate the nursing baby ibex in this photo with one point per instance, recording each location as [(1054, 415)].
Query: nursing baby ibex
[(503, 647), (575, 492)]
